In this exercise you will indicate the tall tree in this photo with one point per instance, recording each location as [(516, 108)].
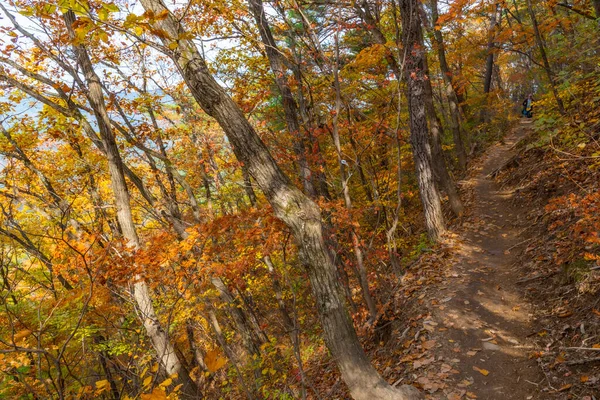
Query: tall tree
[(547, 68), (414, 56), (290, 107), (451, 91), (158, 335), (295, 209)]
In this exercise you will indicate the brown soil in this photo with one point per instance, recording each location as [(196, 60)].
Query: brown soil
[(488, 314), (483, 322)]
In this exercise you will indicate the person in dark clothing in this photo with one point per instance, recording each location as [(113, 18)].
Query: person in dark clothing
[(528, 106)]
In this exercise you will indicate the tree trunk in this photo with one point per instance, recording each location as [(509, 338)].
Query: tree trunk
[(360, 265), (453, 101), (415, 79), (158, 336), (540, 43), (437, 155), (296, 210), (290, 108), (489, 64)]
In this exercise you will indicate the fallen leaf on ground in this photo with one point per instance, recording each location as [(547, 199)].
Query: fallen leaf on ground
[(457, 395), (565, 387), (483, 372)]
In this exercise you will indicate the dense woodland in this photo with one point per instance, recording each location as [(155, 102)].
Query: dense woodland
[(218, 199)]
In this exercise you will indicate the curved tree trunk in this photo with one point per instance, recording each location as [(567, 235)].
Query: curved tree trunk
[(296, 210)]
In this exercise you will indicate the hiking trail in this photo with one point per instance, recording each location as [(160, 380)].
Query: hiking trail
[(484, 322)]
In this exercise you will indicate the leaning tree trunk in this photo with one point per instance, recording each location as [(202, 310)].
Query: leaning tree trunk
[(158, 336), (419, 136), (296, 210), (547, 68), (290, 108)]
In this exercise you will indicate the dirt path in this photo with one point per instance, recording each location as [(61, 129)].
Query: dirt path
[(485, 321)]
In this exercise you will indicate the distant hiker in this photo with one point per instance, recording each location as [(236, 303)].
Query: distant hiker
[(528, 106)]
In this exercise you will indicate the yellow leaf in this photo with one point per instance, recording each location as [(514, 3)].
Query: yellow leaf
[(173, 45), (101, 384), (147, 381), (103, 14), (214, 360), (166, 382), (177, 388), (157, 394), (111, 7), (103, 36), (483, 372)]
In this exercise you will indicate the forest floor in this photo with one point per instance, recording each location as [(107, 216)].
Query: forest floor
[(474, 328), (488, 321)]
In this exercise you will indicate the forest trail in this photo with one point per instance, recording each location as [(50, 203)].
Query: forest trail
[(486, 323)]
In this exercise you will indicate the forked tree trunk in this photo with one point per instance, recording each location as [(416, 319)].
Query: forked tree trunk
[(419, 136), (439, 165), (296, 210), (141, 293)]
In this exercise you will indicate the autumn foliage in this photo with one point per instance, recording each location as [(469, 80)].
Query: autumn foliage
[(229, 290)]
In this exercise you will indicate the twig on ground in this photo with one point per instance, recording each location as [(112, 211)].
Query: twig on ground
[(581, 348), (533, 278), (583, 361), (545, 374), (520, 243)]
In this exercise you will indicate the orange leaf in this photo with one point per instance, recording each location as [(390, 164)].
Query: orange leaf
[(214, 360)]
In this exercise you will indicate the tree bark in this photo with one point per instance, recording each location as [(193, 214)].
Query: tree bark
[(489, 64), (290, 107), (141, 293), (295, 209), (451, 92), (415, 79), (442, 175), (549, 73), (360, 265)]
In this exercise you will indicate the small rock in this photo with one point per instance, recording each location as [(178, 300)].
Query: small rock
[(490, 346)]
